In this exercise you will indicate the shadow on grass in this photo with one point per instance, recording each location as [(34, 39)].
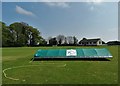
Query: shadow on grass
[(70, 59)]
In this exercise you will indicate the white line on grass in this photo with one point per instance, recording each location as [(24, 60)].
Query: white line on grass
[(15, 79)]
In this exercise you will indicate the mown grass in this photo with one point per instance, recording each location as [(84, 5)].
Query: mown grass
[(54, 72)]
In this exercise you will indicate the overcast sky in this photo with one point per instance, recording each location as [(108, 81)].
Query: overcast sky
[(80, 19)]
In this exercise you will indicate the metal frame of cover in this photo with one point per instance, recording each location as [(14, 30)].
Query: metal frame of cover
[(73, 53)]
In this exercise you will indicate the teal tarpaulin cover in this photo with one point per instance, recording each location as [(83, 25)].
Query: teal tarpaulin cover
[(73, 53)]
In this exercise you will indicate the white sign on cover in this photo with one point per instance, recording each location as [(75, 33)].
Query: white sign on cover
[(71, 52)]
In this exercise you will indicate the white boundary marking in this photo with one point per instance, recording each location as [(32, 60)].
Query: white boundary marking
[(15, 79)]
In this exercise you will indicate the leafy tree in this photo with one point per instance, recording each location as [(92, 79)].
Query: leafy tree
[(60, 39), (48, 40), (65, 42), (16, 29), (20, 34), (43, 42), (7, 36), (53, 41), (75, 40), (35, 37), (70, 40), (0, 34)]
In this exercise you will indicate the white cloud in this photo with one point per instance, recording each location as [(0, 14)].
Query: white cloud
[(93, 3), (20, 10), (96, 1), (56, 4)]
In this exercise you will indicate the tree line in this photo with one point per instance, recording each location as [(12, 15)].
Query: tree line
[(62, 40), (20, 34)]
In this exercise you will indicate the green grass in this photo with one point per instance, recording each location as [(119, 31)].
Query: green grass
[(53, 72)]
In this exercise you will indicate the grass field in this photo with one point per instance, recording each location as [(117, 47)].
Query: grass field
[(57, 72)]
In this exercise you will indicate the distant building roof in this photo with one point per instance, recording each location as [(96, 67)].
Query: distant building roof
[(90, 40), (113, 43)]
